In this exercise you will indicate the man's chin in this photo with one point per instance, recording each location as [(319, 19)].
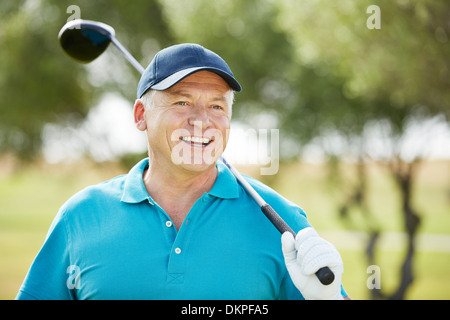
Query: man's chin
[(198, 165)]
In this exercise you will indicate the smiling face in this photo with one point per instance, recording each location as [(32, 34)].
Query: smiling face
[(187, 124)]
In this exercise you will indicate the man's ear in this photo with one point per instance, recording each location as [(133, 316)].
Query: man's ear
[(139, 118)]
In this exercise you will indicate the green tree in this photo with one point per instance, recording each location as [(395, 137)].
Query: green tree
[(314, 66), (39, 84), (398, 73), (324, 72)]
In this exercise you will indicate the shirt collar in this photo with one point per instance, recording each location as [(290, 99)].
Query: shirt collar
[(134, 189), (225, 186)]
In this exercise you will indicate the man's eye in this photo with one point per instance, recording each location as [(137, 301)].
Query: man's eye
[(182, 103), (217, 107)]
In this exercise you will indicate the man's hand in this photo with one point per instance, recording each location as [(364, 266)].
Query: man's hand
[(307, 254)]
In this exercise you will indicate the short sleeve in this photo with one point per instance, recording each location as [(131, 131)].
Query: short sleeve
[(47, 277)]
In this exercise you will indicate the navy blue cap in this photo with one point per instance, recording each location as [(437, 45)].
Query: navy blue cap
[(173, 64)]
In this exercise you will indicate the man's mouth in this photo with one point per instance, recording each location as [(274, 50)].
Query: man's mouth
[(197, 141)]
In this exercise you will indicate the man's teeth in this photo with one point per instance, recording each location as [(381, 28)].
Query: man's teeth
[(196, 140)]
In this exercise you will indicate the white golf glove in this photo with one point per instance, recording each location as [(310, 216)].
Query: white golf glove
[(307, 254)]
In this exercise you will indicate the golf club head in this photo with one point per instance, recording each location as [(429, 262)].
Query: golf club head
[(85, 40)]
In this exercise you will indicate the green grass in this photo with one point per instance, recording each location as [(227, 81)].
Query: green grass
[(431, 274), (309, 186), (30, 198)]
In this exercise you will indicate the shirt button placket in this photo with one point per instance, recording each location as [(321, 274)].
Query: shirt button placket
[(175, 271)]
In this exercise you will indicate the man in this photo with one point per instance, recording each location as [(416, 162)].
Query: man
[(179, 225)]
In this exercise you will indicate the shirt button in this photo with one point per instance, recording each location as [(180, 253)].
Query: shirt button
[(177, 250), (168, 224)]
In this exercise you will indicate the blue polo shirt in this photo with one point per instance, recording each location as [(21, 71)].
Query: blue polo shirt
[(112, 241)]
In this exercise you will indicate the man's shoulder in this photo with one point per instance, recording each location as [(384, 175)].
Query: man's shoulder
[(266, 192), (106, 191), (272, 197), (289, 211)]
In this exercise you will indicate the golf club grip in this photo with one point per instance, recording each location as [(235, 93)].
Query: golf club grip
[(325, 275), (276, 220)]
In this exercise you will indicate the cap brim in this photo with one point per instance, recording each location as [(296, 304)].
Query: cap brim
[(180, 75)]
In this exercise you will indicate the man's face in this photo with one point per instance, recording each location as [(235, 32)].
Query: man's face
[(187, 124)]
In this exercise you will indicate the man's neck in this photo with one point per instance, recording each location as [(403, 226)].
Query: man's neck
[(177, 190)]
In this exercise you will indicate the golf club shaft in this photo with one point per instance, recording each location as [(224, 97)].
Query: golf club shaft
[(270, 213), (127, 55), (324, 274)]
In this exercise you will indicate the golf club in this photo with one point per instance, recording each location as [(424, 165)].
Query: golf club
[(85, 40)]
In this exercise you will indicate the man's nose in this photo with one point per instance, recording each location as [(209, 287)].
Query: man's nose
[(199, 117)]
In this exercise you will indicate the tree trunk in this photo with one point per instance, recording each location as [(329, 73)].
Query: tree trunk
[(404, 173)]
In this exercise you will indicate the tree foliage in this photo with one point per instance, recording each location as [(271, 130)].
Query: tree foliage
[(400, 67), (40, 84), (313, 66), (318, 67)]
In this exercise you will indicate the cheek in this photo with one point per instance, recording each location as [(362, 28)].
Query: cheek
[(223, 126), (155, 129), (160, 128)]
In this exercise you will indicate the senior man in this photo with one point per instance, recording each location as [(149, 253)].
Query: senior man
[(179, 225)]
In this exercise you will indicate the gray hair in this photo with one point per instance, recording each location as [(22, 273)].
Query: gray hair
[(147, 98)]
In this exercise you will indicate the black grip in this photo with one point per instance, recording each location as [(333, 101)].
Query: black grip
[(276, 220), (325, 275)]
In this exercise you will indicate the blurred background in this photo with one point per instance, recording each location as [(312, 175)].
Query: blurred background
[(360, 96)]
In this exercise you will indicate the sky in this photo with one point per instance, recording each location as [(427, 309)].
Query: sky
[(109, 132)]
